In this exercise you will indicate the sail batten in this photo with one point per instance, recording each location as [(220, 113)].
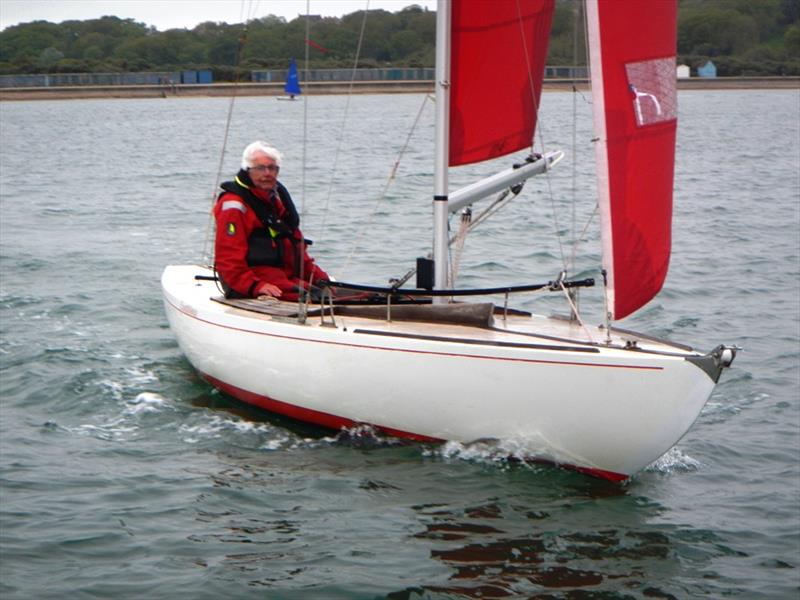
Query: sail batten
[(498, 57), (632, 48)]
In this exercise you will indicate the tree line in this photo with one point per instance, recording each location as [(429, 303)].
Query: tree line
[(742, 37)]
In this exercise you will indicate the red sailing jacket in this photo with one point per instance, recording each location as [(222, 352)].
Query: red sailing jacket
[(246, 255)]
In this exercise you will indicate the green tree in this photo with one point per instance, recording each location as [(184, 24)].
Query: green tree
[(568, 26), (791, 40), (743, 36), (403, 43), (715, 32), (28, 40), (49, 57)]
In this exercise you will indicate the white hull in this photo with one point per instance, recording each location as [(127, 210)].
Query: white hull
[(604, 410)]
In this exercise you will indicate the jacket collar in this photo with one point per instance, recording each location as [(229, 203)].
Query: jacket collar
[(243, 180)]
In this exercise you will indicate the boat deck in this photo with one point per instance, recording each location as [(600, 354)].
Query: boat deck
[(194, 290), (481, 323)]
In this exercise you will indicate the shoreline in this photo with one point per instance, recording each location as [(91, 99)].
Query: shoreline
[(331, 88)]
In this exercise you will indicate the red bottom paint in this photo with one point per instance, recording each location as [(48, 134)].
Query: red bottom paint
[(330, 421), (307, 415)]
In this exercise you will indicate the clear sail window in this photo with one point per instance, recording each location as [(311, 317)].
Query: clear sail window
[(652, 84)]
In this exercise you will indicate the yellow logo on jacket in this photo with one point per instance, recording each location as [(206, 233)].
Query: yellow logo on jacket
[(231, 229)]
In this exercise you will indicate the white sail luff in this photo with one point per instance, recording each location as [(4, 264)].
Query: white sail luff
[(601, 147)]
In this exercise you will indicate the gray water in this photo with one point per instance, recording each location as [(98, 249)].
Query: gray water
[(124, 475)]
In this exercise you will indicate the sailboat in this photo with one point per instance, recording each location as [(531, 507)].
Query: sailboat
[(429, 365), (292, 86)]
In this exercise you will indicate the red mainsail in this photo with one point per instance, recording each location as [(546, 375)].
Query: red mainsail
[(632, 46), (498, 52)]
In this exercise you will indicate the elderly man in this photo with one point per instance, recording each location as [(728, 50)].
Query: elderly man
[(259, 249)]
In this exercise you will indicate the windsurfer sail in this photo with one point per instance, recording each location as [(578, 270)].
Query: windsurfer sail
[(292, 87)]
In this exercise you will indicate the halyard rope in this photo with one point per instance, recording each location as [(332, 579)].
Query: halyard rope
[(207, 258), (383, 193), (344, 121)]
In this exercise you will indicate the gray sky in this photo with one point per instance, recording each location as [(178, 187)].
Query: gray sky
[(169, 14)]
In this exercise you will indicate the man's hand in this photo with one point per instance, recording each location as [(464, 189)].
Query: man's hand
[(267, 289)]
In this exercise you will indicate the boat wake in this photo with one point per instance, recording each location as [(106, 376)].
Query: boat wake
[(364, 437), (674, 461), (502, 453)]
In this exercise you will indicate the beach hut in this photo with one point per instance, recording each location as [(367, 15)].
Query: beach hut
[(683, 72), (188, 76)]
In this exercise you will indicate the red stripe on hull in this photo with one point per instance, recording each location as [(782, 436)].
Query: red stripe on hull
[(599, 473), (330, 421), (307, 415)]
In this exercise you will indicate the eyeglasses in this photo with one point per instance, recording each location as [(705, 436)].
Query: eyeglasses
[(263, 168)]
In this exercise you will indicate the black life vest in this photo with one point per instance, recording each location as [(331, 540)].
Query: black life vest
[(264, 247)]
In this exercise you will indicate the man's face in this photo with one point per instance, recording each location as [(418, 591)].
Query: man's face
[(264, 172)]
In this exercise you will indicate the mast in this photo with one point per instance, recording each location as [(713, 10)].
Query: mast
[(441, 150)]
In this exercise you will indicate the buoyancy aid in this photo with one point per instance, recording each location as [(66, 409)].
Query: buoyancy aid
[(264, 246)]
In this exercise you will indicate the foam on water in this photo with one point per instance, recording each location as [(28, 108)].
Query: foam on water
[(675, 460), (215, 426), (146, 402)]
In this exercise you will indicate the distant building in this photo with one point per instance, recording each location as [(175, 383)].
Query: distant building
[(684, 72), (707, 70)]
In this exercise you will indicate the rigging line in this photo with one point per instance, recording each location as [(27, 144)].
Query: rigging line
[(344, 121), (580, 16), (501, 201), (539, 129), (383, 193), (531, 83), (574, 134), (458, 246), (303, 307), (207, 258), (582, 237), (249, 12), (305, 109), (575, 310)]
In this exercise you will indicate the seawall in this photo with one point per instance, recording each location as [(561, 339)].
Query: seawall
[(357, 87)]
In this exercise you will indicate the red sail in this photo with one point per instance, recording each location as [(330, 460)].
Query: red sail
[(498, 52), (632, 49)]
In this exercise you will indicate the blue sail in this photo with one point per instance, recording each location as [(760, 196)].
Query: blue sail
[(292, 86)]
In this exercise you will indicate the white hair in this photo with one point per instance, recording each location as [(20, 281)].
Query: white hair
[(255, 148)]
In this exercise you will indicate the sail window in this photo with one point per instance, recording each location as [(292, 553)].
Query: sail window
[(652, 84)]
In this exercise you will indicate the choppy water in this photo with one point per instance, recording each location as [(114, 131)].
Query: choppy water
[(123, 475)]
